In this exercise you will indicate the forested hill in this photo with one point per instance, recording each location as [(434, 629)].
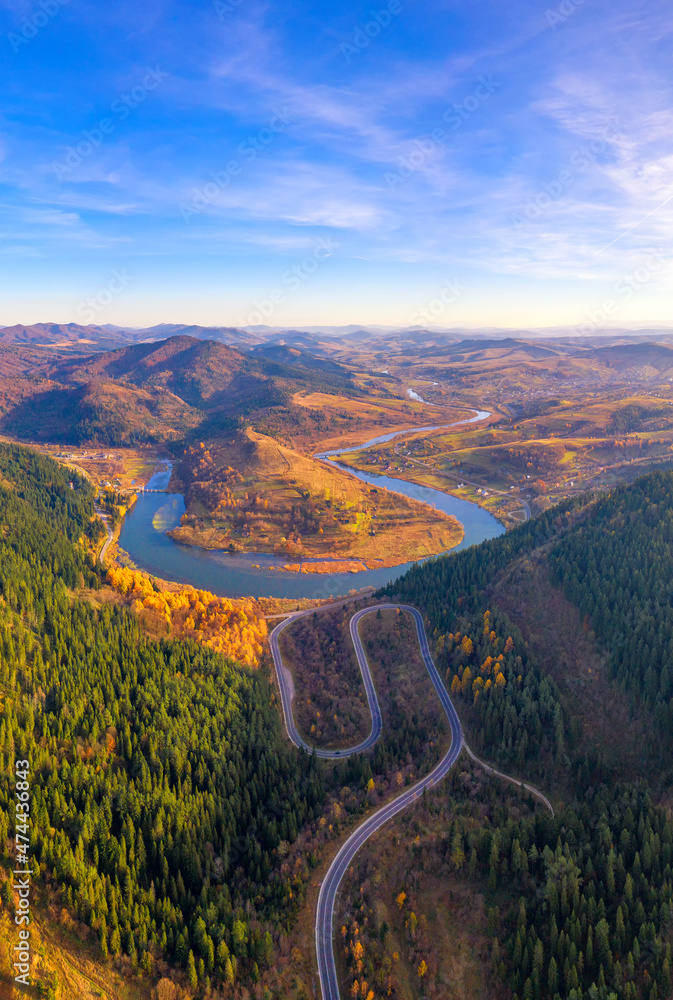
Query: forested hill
[(161, 786), (612, 557), (588, 909), (163, 391)]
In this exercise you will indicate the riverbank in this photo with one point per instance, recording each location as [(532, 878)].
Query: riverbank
[(399, 531), (509, 509), (341, 565), (251, 494), (145, 538)]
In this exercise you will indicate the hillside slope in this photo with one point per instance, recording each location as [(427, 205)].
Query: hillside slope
[(161, 789), (555, 643), (611, 559), (248, 492), (162, 391)]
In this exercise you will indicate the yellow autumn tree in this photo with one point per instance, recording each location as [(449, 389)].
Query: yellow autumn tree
[(232, 628), (466, 645)]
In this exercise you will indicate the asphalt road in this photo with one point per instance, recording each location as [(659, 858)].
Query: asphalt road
[(106, 544), (325, 912), (324, 920), (286, 689)]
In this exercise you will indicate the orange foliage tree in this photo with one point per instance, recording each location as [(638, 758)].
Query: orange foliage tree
[(231, 628)]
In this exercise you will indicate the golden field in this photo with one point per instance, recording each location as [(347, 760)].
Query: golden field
[(251, 493)]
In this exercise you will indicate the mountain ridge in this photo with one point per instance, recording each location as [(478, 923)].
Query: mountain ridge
[(162, 390)]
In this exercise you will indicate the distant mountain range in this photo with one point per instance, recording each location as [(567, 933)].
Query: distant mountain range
[(75, 338), (74, 335), (113, 386)]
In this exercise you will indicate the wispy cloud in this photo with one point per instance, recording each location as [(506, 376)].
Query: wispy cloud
[(606, 67)]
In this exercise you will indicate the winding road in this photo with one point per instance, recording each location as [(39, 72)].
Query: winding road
[(105, 518), (324, 920), (329, 983), (287, 689)]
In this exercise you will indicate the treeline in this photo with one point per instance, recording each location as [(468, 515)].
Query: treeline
[(320, 374), (456, 584), (162, 790), (617, 568), (60, 498), (99, 413), (612, 556), (571, 907), (294, 424), (592, 912), (632, 417), (230, 627), (515, 715)]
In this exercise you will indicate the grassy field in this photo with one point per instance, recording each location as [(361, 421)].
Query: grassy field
[(568, 448), (251, 493)]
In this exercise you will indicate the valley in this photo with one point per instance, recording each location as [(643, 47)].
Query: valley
[(336, 501), (194, 847), (253, 494), (243, 421)]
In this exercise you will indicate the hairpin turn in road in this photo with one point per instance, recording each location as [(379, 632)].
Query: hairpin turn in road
[(325, 913), (324, 920)]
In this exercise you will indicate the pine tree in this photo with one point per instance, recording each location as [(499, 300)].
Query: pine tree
[(191, 972)]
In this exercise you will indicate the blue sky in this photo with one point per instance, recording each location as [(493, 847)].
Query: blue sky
[(299, 163)]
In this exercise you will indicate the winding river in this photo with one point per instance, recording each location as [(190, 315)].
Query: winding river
[(143, 537)]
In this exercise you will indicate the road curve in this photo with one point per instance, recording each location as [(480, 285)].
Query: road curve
[(286, 690), (110, 535), (324, 921), (325, 911), (531, 789)]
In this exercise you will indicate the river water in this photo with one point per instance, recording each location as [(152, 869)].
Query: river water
[(143, 536)]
